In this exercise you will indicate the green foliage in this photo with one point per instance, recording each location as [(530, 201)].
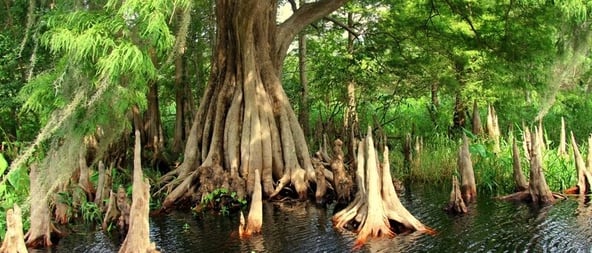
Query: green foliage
[(91, 213), (222, 201), (14, 190)]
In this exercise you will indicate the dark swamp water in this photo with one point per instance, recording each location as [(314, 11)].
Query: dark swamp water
[(491, 226)]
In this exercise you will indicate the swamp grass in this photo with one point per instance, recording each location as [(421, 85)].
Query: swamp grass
[(437, 162)]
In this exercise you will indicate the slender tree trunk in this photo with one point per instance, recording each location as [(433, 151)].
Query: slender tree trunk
[(351, 124), (477, 126), (152, 124), (245, 117), (459, 115), (180, 100), (434, 94), (303, 115)]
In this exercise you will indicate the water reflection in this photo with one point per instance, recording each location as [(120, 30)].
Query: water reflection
[(490, 226)]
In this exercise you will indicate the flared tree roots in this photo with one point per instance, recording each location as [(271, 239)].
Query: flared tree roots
[(376, 204)]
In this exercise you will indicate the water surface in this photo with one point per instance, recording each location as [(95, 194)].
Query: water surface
[(490, 226)]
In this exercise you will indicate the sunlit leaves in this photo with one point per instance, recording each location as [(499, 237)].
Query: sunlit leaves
[(126, 58)]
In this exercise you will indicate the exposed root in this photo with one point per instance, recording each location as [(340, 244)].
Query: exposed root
[(255, 218), (376, 204), (456, 205)]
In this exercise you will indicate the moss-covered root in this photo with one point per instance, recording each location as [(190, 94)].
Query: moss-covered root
[(42, 229)]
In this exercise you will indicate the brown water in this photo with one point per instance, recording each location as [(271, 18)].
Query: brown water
[(491, 226)]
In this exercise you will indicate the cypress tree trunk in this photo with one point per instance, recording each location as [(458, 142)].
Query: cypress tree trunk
[(245, 118)]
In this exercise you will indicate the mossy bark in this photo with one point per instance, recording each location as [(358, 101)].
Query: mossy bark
[(41, 229)]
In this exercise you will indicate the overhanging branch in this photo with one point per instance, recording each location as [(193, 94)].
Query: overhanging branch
[(302, 17)]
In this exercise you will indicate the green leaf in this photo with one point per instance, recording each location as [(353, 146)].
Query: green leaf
[(3, 164)]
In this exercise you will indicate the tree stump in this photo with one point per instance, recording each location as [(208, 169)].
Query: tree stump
[(104, 185), (538, 191), (456, 205), (321, 188), (584, 175), (342, 182), (112, 212), (376, 204), (14, 241), (493, 128), (562, 150), (255, 218), (84, 179), (137, 239), (42, 229), (465, 165)]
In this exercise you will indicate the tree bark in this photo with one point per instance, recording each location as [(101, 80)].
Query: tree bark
[(255, 218), (459, 114), (342, 182), (584, 175), (351, 124), (539, 190), (14, 241), (152, 135), (376, 203), (562, 150), (303, 115), (519, 178), (180, 100), (245, 117), (138, 236), (465, 165), (456, 205), (41, 230), (493, 128)]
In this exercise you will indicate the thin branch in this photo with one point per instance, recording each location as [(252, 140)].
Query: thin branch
[(342, 25), (302, 17)]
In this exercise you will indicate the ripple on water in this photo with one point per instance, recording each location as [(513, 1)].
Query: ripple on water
[(490, 226)]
